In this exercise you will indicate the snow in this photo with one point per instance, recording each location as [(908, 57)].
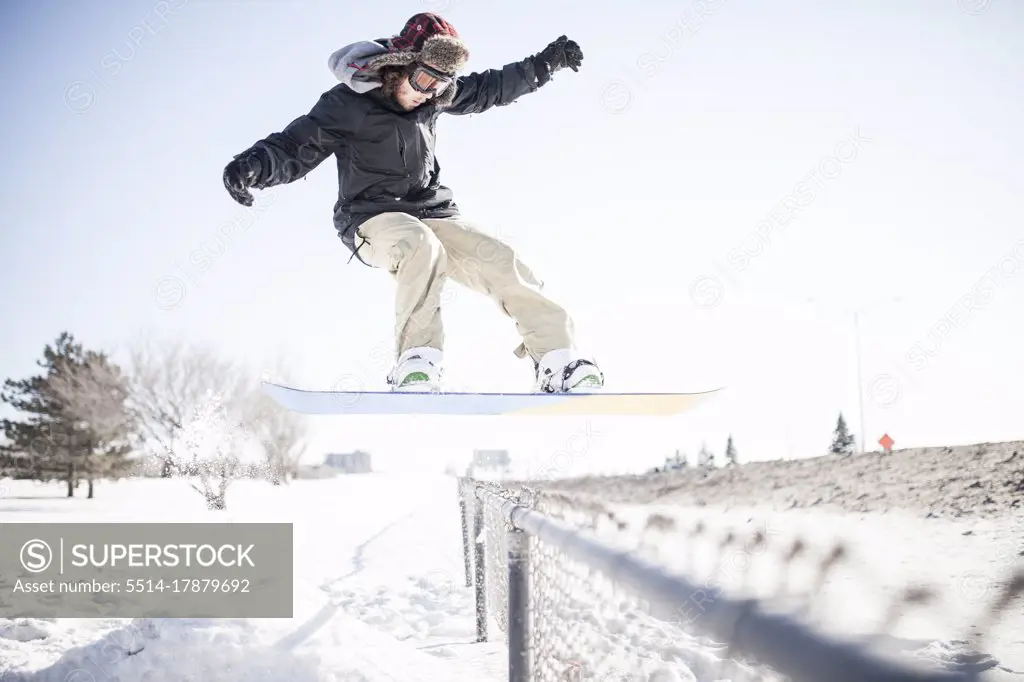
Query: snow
[(963, 562), (379, 587), (946, 517)]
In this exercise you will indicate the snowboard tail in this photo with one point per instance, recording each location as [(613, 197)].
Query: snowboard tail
[(511, 404)]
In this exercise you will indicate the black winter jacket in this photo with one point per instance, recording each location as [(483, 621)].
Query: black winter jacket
[(385, 155)]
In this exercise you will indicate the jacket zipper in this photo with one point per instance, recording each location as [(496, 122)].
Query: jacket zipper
[(420, 155)]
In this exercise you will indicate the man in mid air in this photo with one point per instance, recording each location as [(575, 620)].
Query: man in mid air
[(392, 211)]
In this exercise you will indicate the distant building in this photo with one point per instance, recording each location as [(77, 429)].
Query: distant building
[(489, 464), (357, 462)]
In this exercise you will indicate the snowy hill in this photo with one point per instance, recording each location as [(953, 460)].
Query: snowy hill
[(978, 480), (950, 519)]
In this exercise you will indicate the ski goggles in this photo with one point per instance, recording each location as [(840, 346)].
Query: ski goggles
[(423, 78)]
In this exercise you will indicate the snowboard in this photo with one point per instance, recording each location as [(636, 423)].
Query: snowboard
[(471, 403)]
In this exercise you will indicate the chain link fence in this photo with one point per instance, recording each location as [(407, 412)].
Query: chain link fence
[(576, 600)]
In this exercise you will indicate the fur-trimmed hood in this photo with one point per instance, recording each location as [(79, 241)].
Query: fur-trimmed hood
[(425, 38), (358, 65)]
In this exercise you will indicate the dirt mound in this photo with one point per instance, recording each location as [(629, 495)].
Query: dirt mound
[(982, 480)]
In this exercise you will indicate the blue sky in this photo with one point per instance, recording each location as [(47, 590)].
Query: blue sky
[(714, 195)]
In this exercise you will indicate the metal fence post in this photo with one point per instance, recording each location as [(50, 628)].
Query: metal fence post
[(518, 606), (480, 569), (465, 533)]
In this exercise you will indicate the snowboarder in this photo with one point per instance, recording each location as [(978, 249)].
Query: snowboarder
[(392, 211)]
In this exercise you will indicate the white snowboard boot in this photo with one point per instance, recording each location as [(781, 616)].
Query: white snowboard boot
[(565, 371), (417, 370)]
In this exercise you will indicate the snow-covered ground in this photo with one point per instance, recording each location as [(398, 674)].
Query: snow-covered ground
[(379, 587), (947, 518), (964, 563)]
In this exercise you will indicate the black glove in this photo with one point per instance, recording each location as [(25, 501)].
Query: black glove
[(556, 56), (241, 174)]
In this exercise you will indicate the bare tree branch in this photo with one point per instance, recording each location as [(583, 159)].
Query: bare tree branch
[(170, 382), (214, 440), (92, 392)]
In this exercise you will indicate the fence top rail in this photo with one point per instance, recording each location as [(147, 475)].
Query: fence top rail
[(779, 641)]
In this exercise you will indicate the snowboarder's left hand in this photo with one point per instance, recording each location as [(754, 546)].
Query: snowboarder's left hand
[(559, 54)]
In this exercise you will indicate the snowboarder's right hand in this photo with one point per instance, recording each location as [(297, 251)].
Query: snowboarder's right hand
[(239, 176)]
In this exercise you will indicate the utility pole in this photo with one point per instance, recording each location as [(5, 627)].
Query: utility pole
[(860, 364)]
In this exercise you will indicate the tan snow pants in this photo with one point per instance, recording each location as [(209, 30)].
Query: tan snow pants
[(422, 254)]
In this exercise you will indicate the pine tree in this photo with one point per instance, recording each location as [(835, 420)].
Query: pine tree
[(38, 447), (77, 426), (731, 458), (842, 439)]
